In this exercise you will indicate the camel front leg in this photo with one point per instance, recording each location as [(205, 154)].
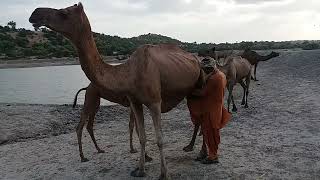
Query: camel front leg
[(139, 121), (155, 110), (189, 147), (131, 127), (83, 118)]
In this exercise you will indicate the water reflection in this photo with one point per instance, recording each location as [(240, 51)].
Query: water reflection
[(43, 85)]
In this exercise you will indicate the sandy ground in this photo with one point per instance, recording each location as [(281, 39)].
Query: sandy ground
[(277, 137)]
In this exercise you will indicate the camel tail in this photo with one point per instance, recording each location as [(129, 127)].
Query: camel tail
[(76, 97)]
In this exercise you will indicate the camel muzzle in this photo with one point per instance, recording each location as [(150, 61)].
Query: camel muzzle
[(40, 16)]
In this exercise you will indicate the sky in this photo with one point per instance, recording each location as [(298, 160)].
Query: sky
[(209, 21)]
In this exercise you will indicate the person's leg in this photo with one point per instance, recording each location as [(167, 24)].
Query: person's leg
[(212, 142)]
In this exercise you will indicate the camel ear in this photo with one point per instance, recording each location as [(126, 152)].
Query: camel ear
[(80, 7)]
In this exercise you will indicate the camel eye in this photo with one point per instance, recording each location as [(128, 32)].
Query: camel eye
[(63, 14)]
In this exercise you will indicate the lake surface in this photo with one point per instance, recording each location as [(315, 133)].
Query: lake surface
[(43, 85)]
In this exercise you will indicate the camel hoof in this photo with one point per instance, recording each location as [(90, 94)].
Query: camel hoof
[(137, 173), (188, 148), (84, 160), (133, 151), (246, 106), (163, 177), (243, 103), (202, 155), (148, 158), (101, 151), (256, 80)]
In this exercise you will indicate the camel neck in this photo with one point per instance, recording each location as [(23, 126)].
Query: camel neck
[(98, 72), (90, 60)]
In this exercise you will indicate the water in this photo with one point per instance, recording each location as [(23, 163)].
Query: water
[(43, 85)]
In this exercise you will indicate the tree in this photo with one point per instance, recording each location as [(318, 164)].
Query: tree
[(12, 24)]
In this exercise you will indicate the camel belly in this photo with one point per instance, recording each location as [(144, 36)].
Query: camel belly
[(114, 97), (179, 72)]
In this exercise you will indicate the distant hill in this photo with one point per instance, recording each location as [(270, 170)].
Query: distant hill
[(44, 43)]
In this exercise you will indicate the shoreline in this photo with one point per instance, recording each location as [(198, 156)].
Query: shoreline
[(30, 63)]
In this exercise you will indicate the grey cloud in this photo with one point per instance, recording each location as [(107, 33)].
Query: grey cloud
[(187, 20)]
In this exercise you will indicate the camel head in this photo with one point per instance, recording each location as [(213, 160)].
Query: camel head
[(70, 21), (274, 54), (208, 64)]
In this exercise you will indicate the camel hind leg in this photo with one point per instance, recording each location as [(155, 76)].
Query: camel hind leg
[(247, 91), (139, 121), (230, 97), (83, 118), (255, 72), (94, 110), (243, 102), (234, 107), (90, 107)]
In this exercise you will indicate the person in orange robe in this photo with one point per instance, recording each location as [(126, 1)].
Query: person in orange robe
[(206, 108)]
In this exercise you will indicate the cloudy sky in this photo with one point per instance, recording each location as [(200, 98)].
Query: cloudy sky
[(188, 20)]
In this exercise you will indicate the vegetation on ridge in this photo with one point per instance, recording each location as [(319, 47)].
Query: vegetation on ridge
[(44, 43)]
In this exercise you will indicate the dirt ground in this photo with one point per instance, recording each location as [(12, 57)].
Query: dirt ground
[(277, 137)]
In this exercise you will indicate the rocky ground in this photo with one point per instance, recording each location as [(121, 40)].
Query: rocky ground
[(277, 137)]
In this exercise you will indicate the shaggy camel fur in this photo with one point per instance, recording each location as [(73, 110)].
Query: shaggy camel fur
[(157, 76), (254, 58), (131, 125)]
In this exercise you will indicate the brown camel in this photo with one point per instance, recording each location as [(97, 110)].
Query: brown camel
[(254, 58), (236, 70), (157, 76), (131, 125)]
